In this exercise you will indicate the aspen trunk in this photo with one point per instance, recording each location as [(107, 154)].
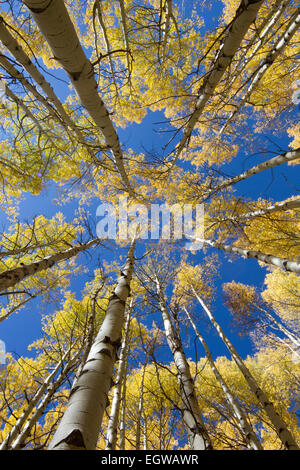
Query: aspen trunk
[(195, 427), (278, 207), (168, 8), (112, 428), (55, 24), (80, 425), (123, 411), (285, 157), (282, 431), (140, 408), (244, 16), (18, 53), (16, 430), (13, 276), (245, 428), (283, 263), (278, 48), (20, 441)]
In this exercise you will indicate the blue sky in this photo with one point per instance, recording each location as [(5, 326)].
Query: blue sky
[(23, 328)]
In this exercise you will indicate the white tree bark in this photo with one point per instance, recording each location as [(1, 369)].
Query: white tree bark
[(140, 407), (243, 424), (123, 411), (13, 276), (16, 431), (282, 431), (278, 207), (18, 53), (112, 427), (194, 424), (20, 441), (55, 24), (278, 48), (80, 425), (167, 10), (244, 16), (285, 157), (283, 263)]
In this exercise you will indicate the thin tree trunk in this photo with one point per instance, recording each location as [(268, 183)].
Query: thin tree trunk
[(243, 424), (278, 48), (140, 407), (126, 39), (112, 428), (280, 426), (123, 411), (244, 16), (285, 157), (278, 207), (194, 424), (16, 430), (18, 53), (168, 11), (283, 263), (80, 425), (55, 24), (13, 276), (20, 441)]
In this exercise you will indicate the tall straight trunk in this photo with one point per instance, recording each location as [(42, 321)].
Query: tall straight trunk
[(277, 49), (13, 276), (55, 24), (140, 407), (283, 263), (112, 428), (192, 418), (89, 338), (282, 431), (239, 26), (80, 425), (16, 430), (168, 11), (285, 157), (243, 424), (20, 441), (123, 411)]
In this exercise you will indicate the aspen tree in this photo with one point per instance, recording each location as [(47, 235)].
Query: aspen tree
[(13, 276), (246, 429), (79, 427), (112, 428), (55, 24), (282, 431), (194, 424)]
